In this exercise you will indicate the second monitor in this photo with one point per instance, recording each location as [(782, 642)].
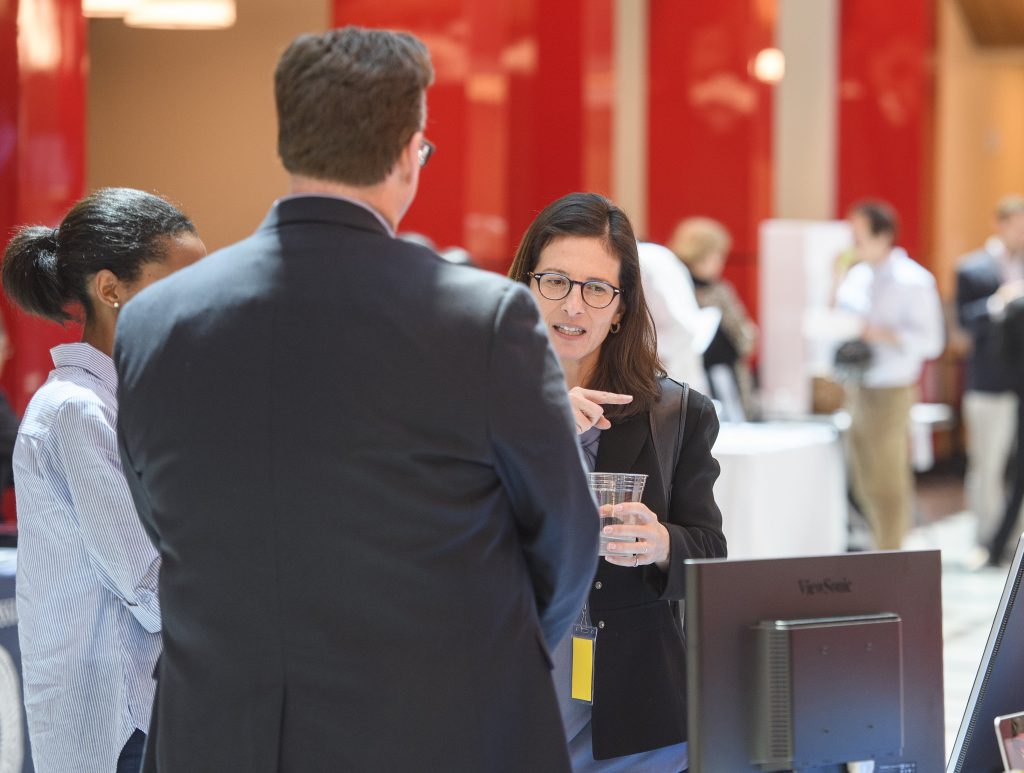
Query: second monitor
[(811, 663)]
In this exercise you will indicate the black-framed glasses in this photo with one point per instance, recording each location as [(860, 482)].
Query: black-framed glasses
[(555, 286), (427, 149)]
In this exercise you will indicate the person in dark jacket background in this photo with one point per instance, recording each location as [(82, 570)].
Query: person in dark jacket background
[(1012, 347), (986, 280)]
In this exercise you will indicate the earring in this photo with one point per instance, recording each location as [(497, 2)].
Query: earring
[(615, 328), (117, 305)]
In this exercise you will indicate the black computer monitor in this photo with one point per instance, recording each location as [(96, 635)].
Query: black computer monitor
[(999, 686), (810, 663)]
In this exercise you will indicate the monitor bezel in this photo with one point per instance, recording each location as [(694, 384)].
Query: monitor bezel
[(983, 705)]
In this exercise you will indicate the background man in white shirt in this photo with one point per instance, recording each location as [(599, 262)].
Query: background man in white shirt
[(903, 323)]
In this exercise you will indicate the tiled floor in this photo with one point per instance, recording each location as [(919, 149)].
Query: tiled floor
[(969, 601)]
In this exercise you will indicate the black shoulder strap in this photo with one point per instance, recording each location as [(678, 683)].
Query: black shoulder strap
[(668, 420)]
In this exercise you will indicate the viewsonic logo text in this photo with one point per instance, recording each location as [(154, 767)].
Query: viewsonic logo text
[(828, 585)]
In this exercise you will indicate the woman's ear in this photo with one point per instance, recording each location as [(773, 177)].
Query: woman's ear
[(107, 289)]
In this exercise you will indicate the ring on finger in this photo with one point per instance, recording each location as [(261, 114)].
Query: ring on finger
[(636, 561)]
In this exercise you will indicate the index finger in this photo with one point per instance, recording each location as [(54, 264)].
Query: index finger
[(604, 398)]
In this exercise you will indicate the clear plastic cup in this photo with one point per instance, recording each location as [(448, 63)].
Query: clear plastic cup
[(610, 488)]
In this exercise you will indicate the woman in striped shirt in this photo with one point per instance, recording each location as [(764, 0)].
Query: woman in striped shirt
[(87, 573)]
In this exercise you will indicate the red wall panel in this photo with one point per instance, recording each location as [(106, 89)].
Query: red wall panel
[(710, 124), (886, 106), (42, 166), (42, 145), (8, 115), (519, 111)]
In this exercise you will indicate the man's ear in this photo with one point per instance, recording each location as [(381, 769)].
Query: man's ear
[(409, 160)]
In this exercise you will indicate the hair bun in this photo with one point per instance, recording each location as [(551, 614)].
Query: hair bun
[(31, 272)]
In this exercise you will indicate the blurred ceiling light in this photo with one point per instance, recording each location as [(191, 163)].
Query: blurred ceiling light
[(770, 65), (104, 9), (38, 36), (182, 14)]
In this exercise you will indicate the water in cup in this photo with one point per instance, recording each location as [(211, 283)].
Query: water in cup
[(611, 488)]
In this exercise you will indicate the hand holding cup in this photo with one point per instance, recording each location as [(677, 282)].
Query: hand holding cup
[(643, 538)]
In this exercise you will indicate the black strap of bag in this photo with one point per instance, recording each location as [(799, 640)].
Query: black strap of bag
[(668, 420)]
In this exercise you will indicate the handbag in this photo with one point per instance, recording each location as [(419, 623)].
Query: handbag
[(852, 359)]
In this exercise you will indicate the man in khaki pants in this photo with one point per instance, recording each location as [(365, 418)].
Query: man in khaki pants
[(899, 304)]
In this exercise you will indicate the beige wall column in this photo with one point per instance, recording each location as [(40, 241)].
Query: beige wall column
[(190, 115), (979, 145), (804, 131), (629, 122)]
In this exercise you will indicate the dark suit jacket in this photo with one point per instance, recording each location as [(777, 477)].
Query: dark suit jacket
[(977, 278), (359, 466), (640, 661), (9, 422), (1011, 336)]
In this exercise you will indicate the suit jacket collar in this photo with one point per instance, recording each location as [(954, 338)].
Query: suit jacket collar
[(621, 444), (297, 210)]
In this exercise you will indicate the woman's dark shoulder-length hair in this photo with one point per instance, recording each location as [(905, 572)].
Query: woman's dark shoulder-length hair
[(628, 362)]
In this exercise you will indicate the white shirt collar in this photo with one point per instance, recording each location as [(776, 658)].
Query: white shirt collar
[(87, 357), (886, 266)]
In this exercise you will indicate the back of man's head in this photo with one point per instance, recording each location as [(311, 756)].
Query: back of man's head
[(348, 101), (1009, 206), (880, 217)]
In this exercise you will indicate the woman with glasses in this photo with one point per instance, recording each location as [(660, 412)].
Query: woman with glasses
[(87, 573), (579, 258)]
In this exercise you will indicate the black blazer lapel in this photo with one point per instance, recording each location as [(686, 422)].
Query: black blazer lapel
[(625, 441)]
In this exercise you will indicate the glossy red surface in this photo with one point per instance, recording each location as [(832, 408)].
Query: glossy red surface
[(8, 115), (520, 111), (42, 145), (886, 105), (710, 124), (43, 164)]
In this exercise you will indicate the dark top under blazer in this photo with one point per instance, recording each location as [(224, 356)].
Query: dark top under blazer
[(977, 279), (359, 466), (640, 661)]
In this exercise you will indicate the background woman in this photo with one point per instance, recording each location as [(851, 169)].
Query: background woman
[(87, 573), (702, 244), (580, 259)]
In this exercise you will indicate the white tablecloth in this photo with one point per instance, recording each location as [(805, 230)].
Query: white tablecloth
[(782, 491)]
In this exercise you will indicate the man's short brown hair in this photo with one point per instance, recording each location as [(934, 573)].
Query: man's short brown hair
[(1010, 205), (880, 215), (348, 101)]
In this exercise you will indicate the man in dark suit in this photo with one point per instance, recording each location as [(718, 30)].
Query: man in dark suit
[(358, 463), (1012, 339), (986, 280)]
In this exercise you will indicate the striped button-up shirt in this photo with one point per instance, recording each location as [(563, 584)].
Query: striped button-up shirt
[(87, 573)]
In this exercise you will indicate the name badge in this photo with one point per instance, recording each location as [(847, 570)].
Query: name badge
[(584, 643)]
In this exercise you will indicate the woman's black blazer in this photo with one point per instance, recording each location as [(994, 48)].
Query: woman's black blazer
[(640, 661)]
